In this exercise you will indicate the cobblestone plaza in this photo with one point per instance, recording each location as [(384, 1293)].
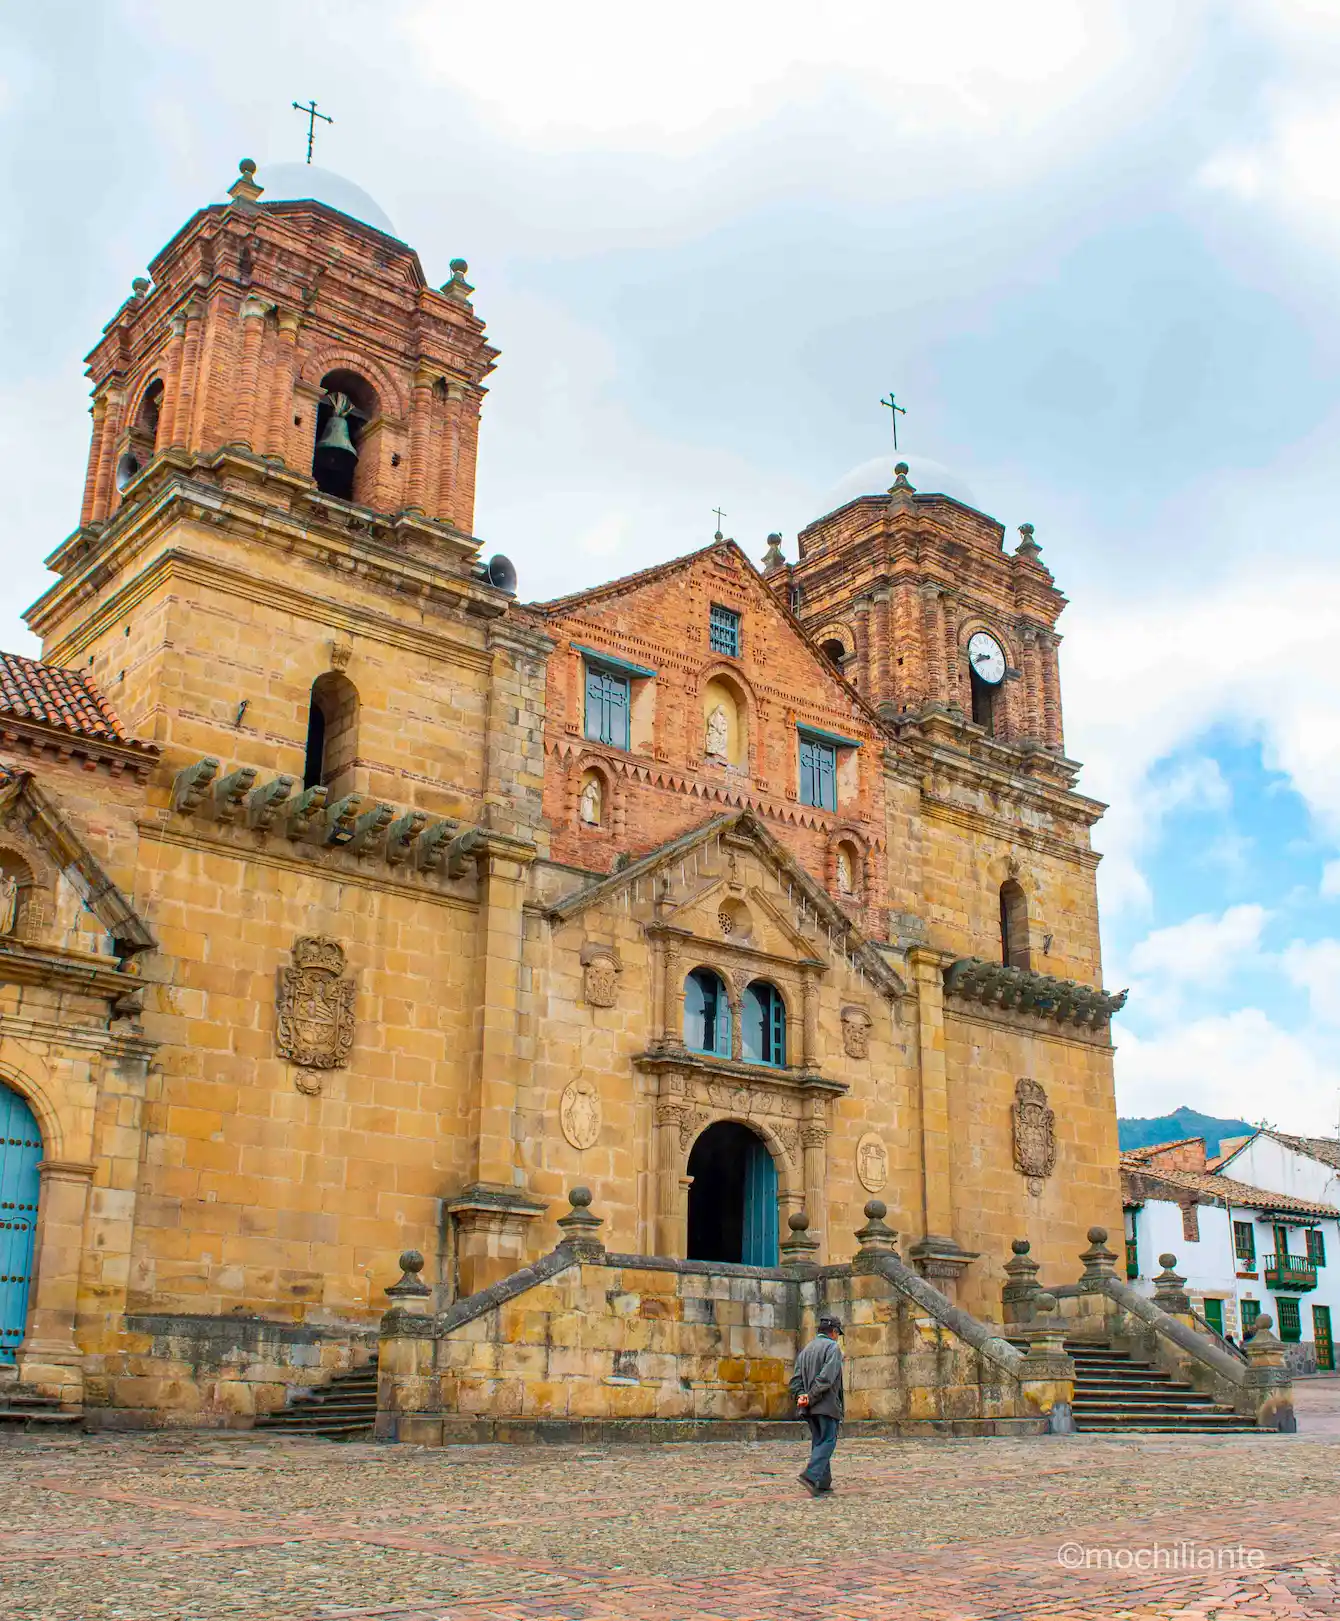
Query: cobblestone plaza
[(167, 1527)]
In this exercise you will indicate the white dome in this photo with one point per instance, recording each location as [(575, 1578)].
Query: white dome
[(296, 182), (875, 476)]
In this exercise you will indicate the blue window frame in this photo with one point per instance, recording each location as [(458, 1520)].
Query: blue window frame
[(818, 774), (706, 1014), (606, 707), (764, 1024), (724, 631)]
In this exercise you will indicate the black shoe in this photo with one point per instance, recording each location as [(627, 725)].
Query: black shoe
[(809, 1485)]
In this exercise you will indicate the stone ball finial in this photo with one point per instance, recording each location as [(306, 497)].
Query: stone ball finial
[(798, 1221), (1044, 1304), (1021, 1246), (875, 1210), (411, 1262), (775, 538), (579, 1198), (901, 468), (140, 286), (1168, 1261), (1098, 1235), (458, 267), (1263, 1324), (248, 167)]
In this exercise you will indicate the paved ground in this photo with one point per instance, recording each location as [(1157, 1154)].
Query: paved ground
[(165, 1528)]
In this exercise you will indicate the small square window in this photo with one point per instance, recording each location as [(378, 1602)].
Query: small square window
[(725, 631)]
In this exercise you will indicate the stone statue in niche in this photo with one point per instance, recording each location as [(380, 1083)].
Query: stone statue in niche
[(579, 1112), (1034, 1133), (589, 802), (9, 902), (600, 976), (855, 1032), (846, 876), (316, 1006), (872, 1162), (717, 741)]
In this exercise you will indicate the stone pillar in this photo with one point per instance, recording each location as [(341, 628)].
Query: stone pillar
[(449, 453), (494, 1211), (810, 1056), (814, 1144), (672, 1024), (48, 1359), (95, 454), (420, 435), (1268, 1381), (279, 437), (932, 653), (1051, 690), (463, 513), (669, 1217), (1047, 1376), (104, 480), (1018, 1296), (172, 364), (1170, 1291), (862, 664), (249, 423), (408, 1398), (880, 688), (876, 1238)]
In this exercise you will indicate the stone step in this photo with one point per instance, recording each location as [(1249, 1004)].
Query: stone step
[(344, 1409), (1146, 1398)]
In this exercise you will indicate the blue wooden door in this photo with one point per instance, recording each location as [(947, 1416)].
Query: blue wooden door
[(20, 1152), (760, 1207)]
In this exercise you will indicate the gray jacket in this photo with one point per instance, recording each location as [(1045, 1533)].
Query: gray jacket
[(819, 1375)]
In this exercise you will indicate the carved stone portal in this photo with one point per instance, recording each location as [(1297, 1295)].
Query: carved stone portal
[(579, 1112), (316, 1006), (1034, 1131), (872, 1162)]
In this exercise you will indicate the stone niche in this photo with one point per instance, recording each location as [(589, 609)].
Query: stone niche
[(725, 724)]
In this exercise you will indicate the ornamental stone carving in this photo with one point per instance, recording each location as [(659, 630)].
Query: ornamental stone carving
[(316, 1006), (579, 1112), (1034, 1132), (600, 975), (872, 1162), (855, 1032)]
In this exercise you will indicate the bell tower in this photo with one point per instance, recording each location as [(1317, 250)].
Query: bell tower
[(917, 602), (285, 431)]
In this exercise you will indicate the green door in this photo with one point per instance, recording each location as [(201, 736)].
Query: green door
[(1321, 1333), (1214, 1315)]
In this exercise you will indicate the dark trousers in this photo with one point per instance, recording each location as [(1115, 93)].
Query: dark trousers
[(823, 1438)]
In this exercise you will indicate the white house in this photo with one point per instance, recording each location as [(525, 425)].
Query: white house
[(1243, 1247)]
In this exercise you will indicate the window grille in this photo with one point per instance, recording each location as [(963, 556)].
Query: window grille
[(724, 631)]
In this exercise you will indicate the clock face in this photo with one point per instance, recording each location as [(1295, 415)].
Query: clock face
[(986, 657)]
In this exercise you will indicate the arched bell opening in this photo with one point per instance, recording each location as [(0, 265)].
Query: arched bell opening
[(20, 1155), (142, 440), (1014, 943), (332, 735), (733, 1208), (348, 403), (834, 652)]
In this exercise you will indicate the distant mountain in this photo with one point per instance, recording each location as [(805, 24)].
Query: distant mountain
[(1170, 1128)]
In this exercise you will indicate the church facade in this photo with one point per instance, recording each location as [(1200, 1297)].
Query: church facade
[(351, 905)]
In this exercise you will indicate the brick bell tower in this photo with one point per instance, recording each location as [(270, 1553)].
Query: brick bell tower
[(916, 600), (281, 480)]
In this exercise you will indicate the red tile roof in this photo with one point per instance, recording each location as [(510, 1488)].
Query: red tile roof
[(66, 699), (1226, 1188)]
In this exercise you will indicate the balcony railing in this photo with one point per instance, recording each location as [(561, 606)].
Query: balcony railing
[(1132, 1259), (1289, 1272)]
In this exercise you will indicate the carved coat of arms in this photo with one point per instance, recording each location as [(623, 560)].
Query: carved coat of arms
[(316, 1006), (1034, 1131)]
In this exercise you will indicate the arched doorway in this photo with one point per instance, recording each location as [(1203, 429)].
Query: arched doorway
[(733, 1197), (20, 1154)]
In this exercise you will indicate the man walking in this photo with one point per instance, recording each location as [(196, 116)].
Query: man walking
[(817, 1386)]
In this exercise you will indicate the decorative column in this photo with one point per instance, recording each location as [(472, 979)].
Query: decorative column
[(672, 1024), (810, 1057), (932, 682), (814, 1144), (880, 688), (862, 663), (279, 436), (95, 453), (186, 382), (104, 488), (494, 1211), (1048, 643), (172, 364), (249, 423), (49, 1361), (936, 1255), (463, 514), (669, 1216), (449, 453), (420, 425)]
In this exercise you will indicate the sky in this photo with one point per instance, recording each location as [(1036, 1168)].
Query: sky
[(1092, 246)]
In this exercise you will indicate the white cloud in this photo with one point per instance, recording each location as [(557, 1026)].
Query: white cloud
[(1315, 966), (1239, 1063), (1202, 951), (1330, 880)]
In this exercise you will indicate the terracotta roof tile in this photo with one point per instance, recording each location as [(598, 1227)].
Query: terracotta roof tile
[(1326, 1149), (1223, 1187), (1157, 1148), (65, 699)]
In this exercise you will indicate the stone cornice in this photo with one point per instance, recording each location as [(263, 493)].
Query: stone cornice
[(54, 743), (996, 987), (793, 1078)]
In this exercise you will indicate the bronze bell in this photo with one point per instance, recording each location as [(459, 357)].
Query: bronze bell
[(335, 439)]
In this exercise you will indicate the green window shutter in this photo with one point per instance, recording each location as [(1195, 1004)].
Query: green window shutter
[(1291, 1323), (1316, 1246), (606, 707), (1251, 1310)]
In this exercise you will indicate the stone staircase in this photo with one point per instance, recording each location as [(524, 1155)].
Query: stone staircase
[(1116, 1393), (25, 1410), (343, 1410)]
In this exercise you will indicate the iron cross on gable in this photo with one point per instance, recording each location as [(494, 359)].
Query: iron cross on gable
[(720, 515), (312, 116), (894, 410)]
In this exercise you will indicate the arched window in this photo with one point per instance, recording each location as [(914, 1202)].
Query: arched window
[(706, 1014), (332, 735), (347, 405), (1014, 952), (764, 1024), (143, 439)]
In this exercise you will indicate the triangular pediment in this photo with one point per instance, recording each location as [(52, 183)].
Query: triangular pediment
[(62, 866), (730, 881)]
